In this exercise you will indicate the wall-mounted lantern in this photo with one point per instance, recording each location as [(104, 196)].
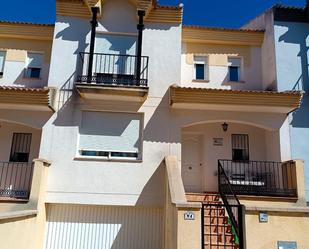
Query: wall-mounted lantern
[(225, 126)]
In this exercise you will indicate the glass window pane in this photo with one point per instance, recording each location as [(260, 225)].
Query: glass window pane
[(234, 73), (240, 147), (199, 71), (110, 132), (35, 72), (20, 147)]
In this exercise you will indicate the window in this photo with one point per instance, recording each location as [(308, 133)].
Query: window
[(110, 135), (240, 147), (200, 67), (234, 69), (34, 65), (20, 148), (2, 61), (109, 47)]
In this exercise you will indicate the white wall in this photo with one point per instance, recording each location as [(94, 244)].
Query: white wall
[(71, 36), (103, 182), (251, 71), (118, 16), (259, 149), (99, 182), (266, 22), (13, 75)]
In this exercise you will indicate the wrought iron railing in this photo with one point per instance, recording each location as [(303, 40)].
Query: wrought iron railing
[(15, 179), (232, 204), (260, 178), (113, 69)]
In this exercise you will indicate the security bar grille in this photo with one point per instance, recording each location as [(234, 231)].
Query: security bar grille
[(20, 149), (240, 147)]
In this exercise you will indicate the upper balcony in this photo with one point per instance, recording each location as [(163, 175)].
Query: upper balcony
[(113, 74), (114, 70)]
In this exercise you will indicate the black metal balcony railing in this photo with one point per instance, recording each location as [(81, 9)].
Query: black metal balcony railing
[(113, 69), (232, 204), (259, 178), (15, 179)]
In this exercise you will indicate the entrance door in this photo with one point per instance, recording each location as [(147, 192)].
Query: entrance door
[(192, 170)]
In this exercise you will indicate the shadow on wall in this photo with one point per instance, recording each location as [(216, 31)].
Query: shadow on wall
[(300, 117), (299, 35), (152, 194), (76, 31), (115, 227), (158, 128), (41, 82)]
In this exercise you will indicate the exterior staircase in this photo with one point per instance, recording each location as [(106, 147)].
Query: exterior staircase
[(218, 232)]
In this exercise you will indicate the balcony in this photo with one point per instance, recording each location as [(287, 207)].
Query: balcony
[(112, 74), (258, 178), (15, 180)]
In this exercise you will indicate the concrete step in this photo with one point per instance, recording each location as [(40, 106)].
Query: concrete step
[(220, 246)]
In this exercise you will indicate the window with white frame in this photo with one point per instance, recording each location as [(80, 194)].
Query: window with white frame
[(200, 67), (234, 66), (2, 62), (110, 135), (34, 65)]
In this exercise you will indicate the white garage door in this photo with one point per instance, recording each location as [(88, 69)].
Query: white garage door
[(95, 227)]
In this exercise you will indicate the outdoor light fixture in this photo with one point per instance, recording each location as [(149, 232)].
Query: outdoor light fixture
[(225, 126)]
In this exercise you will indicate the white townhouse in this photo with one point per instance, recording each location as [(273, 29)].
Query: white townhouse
[(131, 130)]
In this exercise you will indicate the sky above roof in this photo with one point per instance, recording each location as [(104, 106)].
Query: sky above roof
[(218, 13)]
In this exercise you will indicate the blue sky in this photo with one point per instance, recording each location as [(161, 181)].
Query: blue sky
[(215, 13)]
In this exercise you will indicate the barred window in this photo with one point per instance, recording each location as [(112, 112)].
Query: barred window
[(20, 148), (240, 147)]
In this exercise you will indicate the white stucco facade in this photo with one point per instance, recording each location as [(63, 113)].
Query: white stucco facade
[(102, 182), (109, 184), (139, 183), (217, 66)]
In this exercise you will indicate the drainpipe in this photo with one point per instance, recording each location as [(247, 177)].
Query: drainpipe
[(94, 24), (140, 28)]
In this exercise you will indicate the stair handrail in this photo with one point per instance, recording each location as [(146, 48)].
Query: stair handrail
[(222, 172), (238, 226)]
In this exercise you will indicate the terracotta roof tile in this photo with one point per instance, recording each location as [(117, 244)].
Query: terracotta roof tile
[(169, 7), (217, 90), (287, 7), (220, 29), (24, 89), (27, 23)]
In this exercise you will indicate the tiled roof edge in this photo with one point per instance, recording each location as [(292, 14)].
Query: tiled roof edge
[(221, 29), (27, 23)]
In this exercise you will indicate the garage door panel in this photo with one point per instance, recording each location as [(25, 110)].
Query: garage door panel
[(94, 227)]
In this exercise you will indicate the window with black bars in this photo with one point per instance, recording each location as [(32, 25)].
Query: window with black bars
[(240, 147), (20, 149)]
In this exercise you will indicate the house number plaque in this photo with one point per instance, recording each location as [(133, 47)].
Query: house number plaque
[(189, 215), (218, 141), (287, 245)]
